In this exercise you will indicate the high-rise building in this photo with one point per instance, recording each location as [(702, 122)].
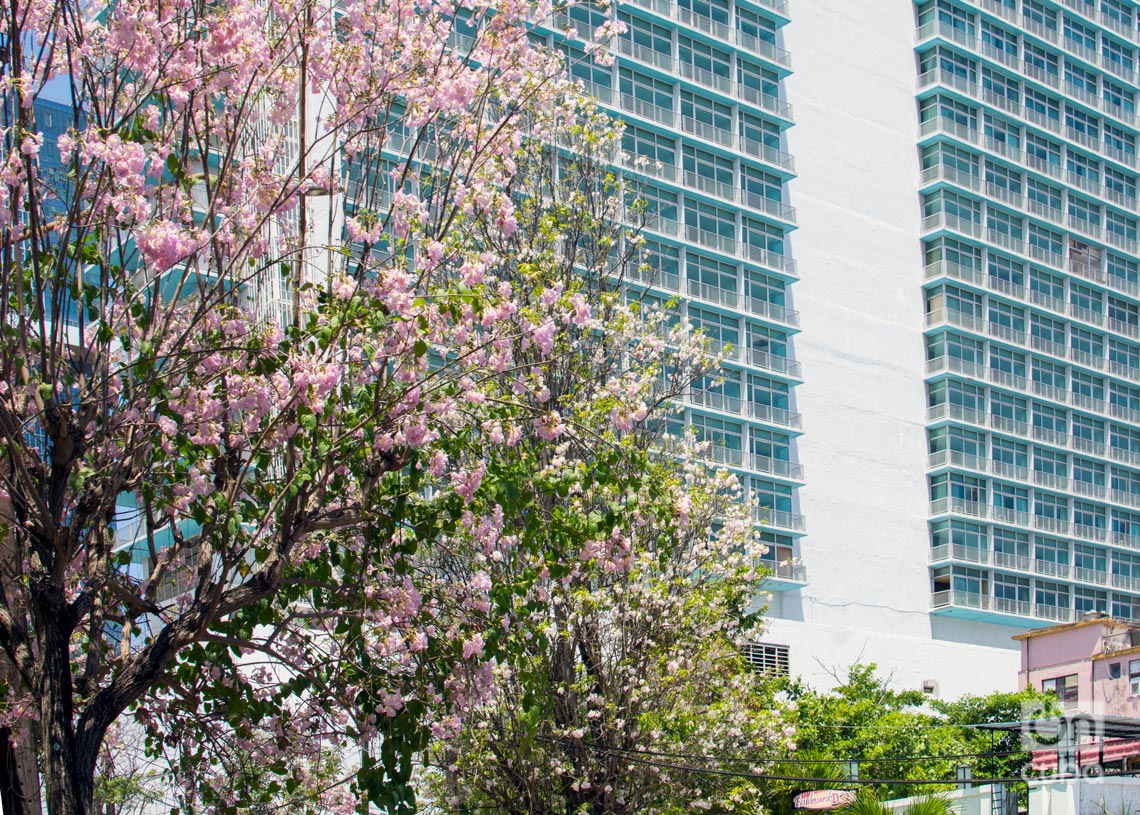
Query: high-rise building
[(699, 84), (970, 299), (972, 396)]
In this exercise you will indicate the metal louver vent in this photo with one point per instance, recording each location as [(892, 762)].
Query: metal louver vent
[(763, 657)]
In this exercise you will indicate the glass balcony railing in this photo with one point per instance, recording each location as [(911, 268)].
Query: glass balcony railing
[(779, 518), (781, 468), (774, 415), (784, 571), (716, 401), (951, 599)]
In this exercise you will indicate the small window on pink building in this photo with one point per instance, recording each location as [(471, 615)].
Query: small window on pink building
[(1114, 670), (1134, 677), (1065, 688)]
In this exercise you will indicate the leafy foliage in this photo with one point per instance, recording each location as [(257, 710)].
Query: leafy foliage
[(901, 734), (621, 643), (924, 805)]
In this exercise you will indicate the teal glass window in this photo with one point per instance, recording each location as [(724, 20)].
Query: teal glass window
[(1037, 12), (1119, 57), (1124, 354), (1009, 408), (1079, 35), (1120, 140)]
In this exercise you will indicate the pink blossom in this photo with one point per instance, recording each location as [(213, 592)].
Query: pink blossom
[(466, 483), (473, 647), (549, 426), (163, 244)]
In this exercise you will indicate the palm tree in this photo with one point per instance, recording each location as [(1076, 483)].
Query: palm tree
[(777, 794), (925, 805)]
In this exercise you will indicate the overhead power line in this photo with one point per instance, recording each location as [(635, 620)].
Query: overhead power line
[(862, 760), (805, 778)]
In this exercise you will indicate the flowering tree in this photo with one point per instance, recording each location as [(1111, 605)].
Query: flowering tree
[(629, 667), (256, 337), (626, 576)]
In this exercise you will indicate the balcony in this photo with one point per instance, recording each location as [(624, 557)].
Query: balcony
[(963, 599), (1002, 610), (956, 458), (1053, 614), (722, 348), (1051, 524), (648, 110), (1090, 489), (956, 412), (1005, 560), (653, 277), (755, 45), (729, 192), (945, 268), (642, 53), (641, 164), (958, 552), (715, 400), (721, 30), (959, 506), (1051, 480), (767, 153), (937, 365), (1051, 568), (786, 575), (779, 519), (944, 316), (773, 363), (781, 468), (713, 294), (1095, 576), (719, 454), (999, 9), (774, 415), (1126, 582), (728, 245), (703, 76), (771, 311), (1090, 533)]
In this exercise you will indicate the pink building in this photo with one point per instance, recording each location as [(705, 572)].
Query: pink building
[(1094, 667)]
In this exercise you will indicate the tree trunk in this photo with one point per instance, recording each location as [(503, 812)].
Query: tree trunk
[(11, 788), (19, 776), (68, 762)]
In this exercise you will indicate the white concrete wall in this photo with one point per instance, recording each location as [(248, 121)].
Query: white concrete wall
[(863, 400), (1086, 796), (970, 801)]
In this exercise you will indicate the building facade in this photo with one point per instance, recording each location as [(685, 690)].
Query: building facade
[(1093, 666), (1033, 346), (700, 86), (969, 368), (973, 234)]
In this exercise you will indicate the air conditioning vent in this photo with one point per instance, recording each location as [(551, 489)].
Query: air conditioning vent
[(766, 658)]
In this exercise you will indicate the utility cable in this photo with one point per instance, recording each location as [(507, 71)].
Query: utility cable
[(775, 760), (812, 779)]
